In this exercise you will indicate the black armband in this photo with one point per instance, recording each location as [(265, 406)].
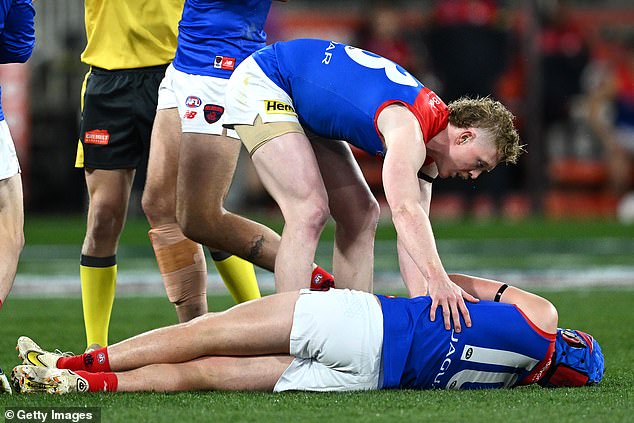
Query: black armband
[(425, 177), (498, 294)]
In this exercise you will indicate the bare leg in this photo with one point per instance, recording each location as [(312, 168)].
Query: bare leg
[(288, 169), (355, 211), (159, 194), (11, 231), (200, 206), (208, 373), (259, 327), (109, 192), (180, 260)]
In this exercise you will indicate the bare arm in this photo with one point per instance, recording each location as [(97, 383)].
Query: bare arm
[(409, 204), (409, 271), (539, 310)]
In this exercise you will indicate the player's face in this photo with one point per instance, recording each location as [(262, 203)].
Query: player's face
[(468, 156)]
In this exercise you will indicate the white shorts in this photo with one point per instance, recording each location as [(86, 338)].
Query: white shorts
[(9, 165), (337, 339), (200, 101), (251, 93)]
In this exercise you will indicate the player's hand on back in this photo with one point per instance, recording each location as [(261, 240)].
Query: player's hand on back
[(451, 298)]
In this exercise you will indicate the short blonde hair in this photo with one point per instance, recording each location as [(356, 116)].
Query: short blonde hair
[(494, 118)]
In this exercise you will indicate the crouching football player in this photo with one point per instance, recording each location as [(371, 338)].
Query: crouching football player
[(295, 341)]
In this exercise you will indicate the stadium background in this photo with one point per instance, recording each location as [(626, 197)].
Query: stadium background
[(563, 176), (548, 223)]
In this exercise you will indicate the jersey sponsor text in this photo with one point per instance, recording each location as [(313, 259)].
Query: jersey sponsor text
[(278, 107), (97, 136)]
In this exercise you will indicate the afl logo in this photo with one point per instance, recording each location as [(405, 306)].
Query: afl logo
[(469, 353), (193, 101)]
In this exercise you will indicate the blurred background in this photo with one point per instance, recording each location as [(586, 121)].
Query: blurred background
[(565, 69)]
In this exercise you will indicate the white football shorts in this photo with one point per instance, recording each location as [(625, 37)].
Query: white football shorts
[(9, 165), (200, 101), (337, 339), (251, 93)]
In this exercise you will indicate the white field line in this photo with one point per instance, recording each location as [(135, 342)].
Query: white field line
[(543, 264), (149, 283)]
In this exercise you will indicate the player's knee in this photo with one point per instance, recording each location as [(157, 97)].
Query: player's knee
[(308, 221), (364, 217), (201, 227), (315, 217), (372, 212), (106, 221), (156, 207)]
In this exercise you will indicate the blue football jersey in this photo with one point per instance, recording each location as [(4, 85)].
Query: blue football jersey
[(216, 36), (501, 349), (338, 90), (17, 32)]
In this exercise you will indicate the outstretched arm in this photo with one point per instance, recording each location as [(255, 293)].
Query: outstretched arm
[(406, 154), (539, 310)]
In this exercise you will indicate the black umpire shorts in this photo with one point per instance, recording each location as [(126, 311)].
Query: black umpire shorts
[(118, 109)]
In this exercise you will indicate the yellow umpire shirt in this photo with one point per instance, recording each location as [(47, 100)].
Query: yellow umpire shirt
[(125, 34)]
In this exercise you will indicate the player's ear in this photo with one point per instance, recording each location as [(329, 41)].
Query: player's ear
[(464, 136)]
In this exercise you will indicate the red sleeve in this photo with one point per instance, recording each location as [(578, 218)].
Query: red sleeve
[(430, 111), (432, 114)]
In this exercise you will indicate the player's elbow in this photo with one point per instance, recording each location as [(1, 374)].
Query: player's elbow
[(541, 312), (402, 212), (549, 318)]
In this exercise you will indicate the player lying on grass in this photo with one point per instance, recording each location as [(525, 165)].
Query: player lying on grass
[(333, 341)]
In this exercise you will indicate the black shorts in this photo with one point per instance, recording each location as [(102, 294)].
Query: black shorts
[(117, 116)]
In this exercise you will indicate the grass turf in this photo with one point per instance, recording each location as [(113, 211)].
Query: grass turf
[(606, 313), (70, 230)]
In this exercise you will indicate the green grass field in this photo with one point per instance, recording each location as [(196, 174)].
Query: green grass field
[(604, 311)]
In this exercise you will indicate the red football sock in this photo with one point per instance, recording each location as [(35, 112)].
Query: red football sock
[(0, 304), (321, 280), (94, 361), (100, 382)]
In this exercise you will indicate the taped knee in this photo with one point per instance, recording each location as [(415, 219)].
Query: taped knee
[(181, 262)]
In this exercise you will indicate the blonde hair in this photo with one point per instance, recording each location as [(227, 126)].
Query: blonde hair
[(491, 116)]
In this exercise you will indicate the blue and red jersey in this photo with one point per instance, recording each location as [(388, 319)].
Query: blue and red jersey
[(501, 349), (214, 37), (338, 90), (17, 32)]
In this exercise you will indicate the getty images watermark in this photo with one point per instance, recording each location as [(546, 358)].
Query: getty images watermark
[(52, 414)]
